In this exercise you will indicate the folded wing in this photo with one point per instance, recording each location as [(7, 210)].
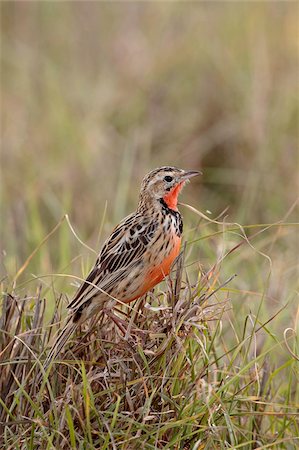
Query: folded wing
[(122, 250)]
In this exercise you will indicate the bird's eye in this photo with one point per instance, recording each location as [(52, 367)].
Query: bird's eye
[(168, 178)]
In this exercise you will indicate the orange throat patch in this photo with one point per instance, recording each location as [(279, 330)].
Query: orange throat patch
[(171, 198)]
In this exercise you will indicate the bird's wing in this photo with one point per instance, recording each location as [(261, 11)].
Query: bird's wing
[(124, 247)]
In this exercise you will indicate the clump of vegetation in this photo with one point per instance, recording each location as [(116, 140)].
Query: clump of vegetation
[(171, 381)]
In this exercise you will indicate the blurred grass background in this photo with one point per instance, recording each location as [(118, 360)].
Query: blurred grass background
[(94, 95)]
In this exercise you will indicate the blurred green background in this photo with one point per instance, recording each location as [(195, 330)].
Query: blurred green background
[(94, 95)]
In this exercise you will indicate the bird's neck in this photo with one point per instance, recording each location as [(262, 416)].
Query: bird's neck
[(148, 204), (171, 198)]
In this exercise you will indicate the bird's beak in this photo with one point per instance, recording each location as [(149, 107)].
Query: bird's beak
[(190, 174)]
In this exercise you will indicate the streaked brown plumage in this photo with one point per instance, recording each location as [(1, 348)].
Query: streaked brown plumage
[(137, 255)]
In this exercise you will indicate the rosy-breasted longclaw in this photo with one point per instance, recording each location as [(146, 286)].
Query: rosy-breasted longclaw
[(136, 256)]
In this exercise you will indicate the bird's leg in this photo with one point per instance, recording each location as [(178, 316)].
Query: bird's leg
[(122, 324), (117, 320)]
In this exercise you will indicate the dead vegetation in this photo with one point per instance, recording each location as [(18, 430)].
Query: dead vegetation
[(164, 384)]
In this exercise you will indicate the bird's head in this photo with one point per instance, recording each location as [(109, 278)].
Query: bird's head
[(165, 184)]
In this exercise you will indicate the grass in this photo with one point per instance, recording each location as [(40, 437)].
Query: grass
[(94, 96), (198, 376)]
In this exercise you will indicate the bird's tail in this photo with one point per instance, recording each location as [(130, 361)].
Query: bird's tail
[(60, 341)]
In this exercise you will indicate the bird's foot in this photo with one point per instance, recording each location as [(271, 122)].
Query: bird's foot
[(125, 327)]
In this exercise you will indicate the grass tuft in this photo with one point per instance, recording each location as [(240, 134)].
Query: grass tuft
[(173, 381)]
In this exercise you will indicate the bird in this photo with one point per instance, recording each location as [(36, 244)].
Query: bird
[(137, 255)]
